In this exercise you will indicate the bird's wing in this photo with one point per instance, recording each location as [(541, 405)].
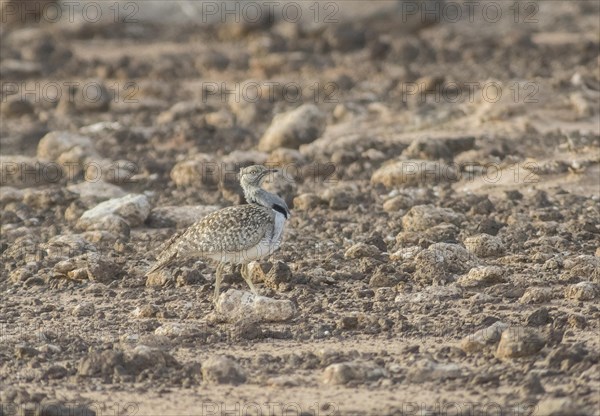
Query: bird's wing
[(229, 230)]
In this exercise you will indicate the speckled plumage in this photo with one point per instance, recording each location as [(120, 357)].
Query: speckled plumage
[(229, 230), (237, 234)]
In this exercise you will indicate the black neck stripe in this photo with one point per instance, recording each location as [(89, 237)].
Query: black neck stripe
[(281, 209)]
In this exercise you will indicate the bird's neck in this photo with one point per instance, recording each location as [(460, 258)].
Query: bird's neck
[(257, 195)]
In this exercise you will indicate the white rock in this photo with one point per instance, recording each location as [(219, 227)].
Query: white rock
[(482, 276), (415, 172), (486, 336), (236, 304), (536, 295), (581, 291), (83, 309), (98, 190), (55, 143), (133, 208), (294, 128), (342, 373)]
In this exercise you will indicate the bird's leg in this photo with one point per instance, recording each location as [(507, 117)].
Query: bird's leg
[(248, 278), (218, 277)]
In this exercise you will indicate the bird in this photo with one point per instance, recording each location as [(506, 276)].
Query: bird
[(237, 234)]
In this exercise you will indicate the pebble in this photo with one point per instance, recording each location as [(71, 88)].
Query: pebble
[(67, 245), (133, 208), (424, 217), (440, 261), (234, 305), (558, 406), (483, 338), (536, 295), (146, 311), (66, 148), (96, 191), (175, 329), (83, 309), (180, 110), (428, 370), (271, 274), (415, 172), (307, 201), (294, 128), (482, 276), (202, 170), (427, 148), (355, 371), (94, 97), (222, 370), (360, 250), (581, 291), (23, 171), (518, 342), (539, 317), (485, 245), (15, 107)]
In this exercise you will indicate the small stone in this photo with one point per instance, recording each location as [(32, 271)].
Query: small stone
[(482, 276), (292, 129), (234, 305), (484, 337), (346, 37), (558, 406), (532, 385), (290, 159), (55, 372), (424, 217), (577, 321), (485, 245), (339, 197), (67, 148), (427, 148), (536, 295), (384, 277), (15, 107), (182, 109), (358, 372), (581, 291), (212, 59), (222, 370), (161, 278), (202, 170), (360, 250), (83, 309), (348, 322), (538, 317), (517, 342), (441, 261), (146, 311), (175, 329), (23, 351), (428, 370), (415, 172), (133, 208), (94, 97), (306, 202), (279, 273), (96, 191), (24, 171)]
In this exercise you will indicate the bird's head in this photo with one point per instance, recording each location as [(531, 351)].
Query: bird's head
[(253, 176)]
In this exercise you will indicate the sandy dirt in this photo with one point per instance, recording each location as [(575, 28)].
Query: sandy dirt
[(443, 253)]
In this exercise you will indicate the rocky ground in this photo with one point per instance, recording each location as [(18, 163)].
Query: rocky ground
[(443, 175)]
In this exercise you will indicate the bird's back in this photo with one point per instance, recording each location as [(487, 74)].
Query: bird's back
[(229, 230)]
